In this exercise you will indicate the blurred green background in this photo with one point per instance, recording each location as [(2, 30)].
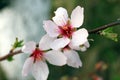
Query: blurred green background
[(97, 13)]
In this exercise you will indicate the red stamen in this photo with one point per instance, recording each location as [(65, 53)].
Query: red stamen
[(37, 54), (67, 30)]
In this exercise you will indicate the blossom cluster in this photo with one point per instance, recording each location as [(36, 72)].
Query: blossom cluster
[(59, 45)]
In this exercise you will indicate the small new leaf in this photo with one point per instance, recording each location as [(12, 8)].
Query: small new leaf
[(17, 43), (110, 34), (10, 58)]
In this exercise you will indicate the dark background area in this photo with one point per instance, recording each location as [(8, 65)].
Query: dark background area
[(4, 3)]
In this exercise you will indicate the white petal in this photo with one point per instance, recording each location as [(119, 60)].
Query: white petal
[(55, 57), (87, 45), (74, 47), (60, 43), (83, 48), (61, 16), (77, 16), (29, 47), (45, 42), (51, 28), (73, 58), (61, 11), (27, 66), (40, 70), (79, 37), (80, 47)]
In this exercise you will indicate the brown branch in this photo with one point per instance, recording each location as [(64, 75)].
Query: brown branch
[(97, 30), (11, 53)]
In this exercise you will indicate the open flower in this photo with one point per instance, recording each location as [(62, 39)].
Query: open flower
[(65, 29), (38, 54)]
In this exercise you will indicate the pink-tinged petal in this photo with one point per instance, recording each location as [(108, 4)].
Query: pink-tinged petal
[(77, 16), (73, 58), (45, 42), (55, 57), (61, 16), (27, 66), (29, 47), (40, 70), (60, 43), (79, 37), (87, 45), (51, 28)]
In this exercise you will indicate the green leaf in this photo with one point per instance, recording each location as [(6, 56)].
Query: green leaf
[(110, 34), (18, 43), (110, 30), (10, 58)]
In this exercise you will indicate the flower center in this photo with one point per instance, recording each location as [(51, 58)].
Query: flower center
[(67, 30), (37, 54)]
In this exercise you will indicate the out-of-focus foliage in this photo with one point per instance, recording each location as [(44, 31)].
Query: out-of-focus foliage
[(2, 74)]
